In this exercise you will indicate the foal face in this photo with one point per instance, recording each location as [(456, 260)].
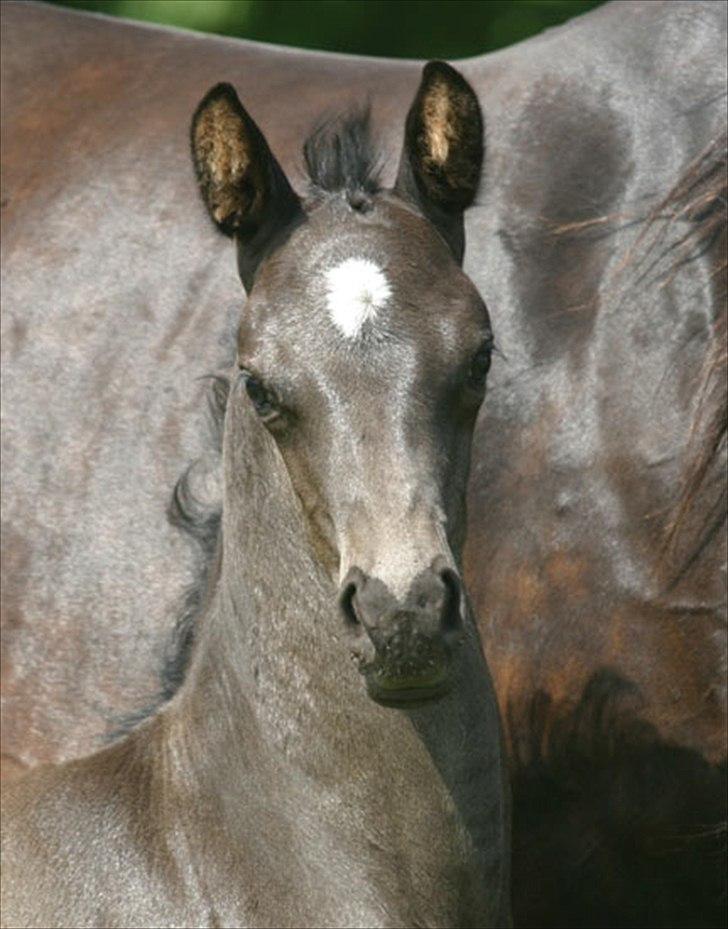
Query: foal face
[(364, 350)]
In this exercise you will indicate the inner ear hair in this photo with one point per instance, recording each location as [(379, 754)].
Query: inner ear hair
[(442, 156), (224, 142), (449, 136), (244, 188)]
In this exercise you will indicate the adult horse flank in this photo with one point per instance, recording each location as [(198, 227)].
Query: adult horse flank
[(269, 780)]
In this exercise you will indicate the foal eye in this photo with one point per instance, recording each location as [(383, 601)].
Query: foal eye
[(260, 398), (480, 365)]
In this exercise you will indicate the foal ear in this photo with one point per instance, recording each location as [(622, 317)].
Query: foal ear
[(443, 151), (243, 186)]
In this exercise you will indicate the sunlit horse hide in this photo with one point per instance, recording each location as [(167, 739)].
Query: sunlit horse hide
[(596, 551)]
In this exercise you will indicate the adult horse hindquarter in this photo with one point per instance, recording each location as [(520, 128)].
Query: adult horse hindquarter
[(579, 456)]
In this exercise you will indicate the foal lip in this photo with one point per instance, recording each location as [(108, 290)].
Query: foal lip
[(408, 692)]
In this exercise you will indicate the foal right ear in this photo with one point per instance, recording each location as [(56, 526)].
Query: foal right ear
[(244, 188)]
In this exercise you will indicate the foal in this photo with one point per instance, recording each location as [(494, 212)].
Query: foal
[(286, 785)]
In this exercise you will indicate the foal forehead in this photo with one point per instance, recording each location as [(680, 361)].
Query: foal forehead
[(346, 278)]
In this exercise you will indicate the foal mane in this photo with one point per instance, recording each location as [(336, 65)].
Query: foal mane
[(201, 520), (340, 155)]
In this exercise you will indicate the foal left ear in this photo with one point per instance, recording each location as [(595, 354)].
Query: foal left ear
[(443, 151), (243, 186)]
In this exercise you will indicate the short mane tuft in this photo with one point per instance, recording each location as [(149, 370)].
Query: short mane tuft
[(340, 155)]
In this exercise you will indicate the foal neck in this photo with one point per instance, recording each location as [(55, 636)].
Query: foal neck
[(275, 724)]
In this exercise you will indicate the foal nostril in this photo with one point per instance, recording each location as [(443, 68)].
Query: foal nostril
[(346, 605), (450, 616)]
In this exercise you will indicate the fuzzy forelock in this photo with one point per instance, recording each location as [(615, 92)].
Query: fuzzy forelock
[(340, 155)]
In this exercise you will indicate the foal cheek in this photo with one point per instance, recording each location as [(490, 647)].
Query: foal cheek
[(314, 508)]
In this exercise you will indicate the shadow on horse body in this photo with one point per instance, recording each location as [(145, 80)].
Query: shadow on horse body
[(595, 553), (279, 787)]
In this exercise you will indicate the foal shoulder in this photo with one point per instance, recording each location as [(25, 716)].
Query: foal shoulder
[(70, 840)]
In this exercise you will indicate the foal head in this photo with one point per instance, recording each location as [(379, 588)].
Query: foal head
[(364, 349)]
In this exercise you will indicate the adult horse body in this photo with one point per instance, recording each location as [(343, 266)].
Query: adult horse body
[(609, 674)]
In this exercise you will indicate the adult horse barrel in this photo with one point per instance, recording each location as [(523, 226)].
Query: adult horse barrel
[(321, 512)]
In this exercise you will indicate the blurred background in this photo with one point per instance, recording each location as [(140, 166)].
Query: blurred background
[(392, 28)]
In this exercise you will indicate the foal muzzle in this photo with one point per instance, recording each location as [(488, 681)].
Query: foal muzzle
[(404, 649)]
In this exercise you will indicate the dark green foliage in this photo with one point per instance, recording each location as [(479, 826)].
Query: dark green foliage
[(392, 28)]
